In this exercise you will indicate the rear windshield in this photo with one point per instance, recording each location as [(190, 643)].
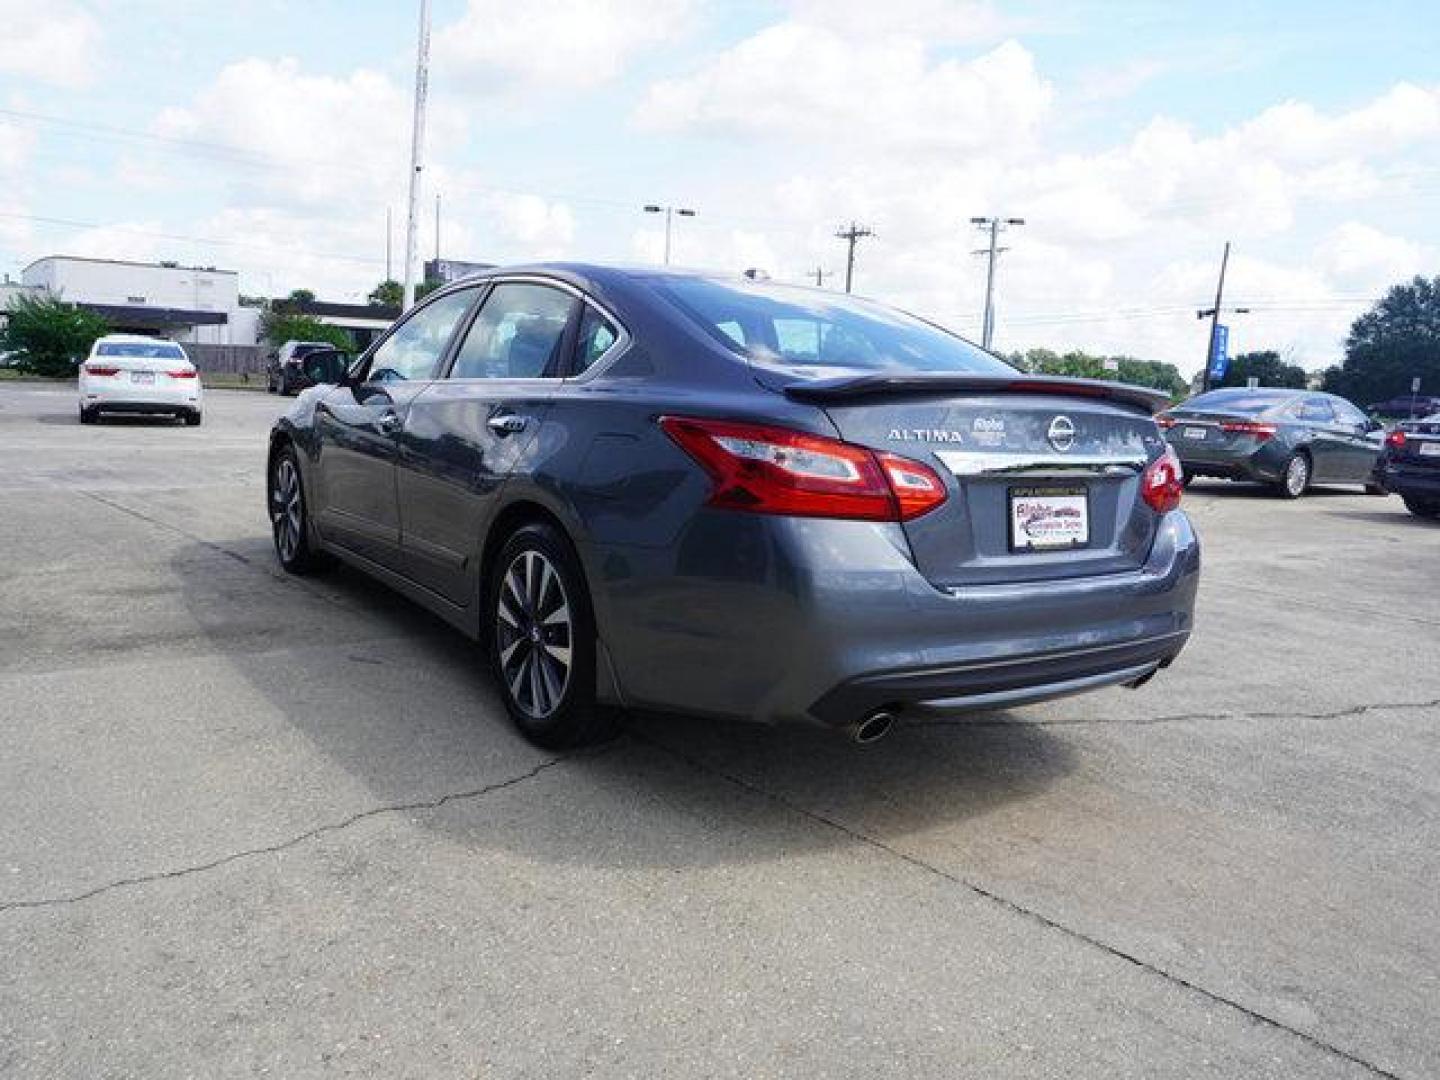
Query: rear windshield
[(1241, 401), (160, 350), (814, 334)]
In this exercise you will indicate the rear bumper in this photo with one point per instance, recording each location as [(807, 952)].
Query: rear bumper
[(1415, 481), (140, 399), (786, 619), (1264, 464)]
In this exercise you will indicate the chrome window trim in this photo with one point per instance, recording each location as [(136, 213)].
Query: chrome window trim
[(1025, 464)]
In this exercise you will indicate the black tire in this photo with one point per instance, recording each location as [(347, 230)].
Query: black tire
[(88, 416), (1373, 488), (286, 507), (1422, 508), (1295, 478), (537, 615), (192, 418), (1186, 479)]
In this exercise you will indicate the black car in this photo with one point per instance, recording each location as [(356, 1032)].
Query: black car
[(285, 369), (1409, 465), (739, 499), (1409, 406), (1288, 439)]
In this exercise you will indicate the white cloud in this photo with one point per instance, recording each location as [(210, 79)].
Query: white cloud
[(939, 22), (329, 142), (555, 45), (811, 83), (1360, 257), (15, 145), (51, 41)]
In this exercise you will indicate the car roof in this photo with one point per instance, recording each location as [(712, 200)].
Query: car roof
[(138, 339)]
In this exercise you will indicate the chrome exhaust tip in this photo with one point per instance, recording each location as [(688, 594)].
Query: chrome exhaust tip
[(872, 728)]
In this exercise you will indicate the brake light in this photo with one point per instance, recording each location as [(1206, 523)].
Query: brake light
[(1396, 440), (771, 470), (101, 369), (1163, 483), (189, 373), (1249, 427), (1165, 422)]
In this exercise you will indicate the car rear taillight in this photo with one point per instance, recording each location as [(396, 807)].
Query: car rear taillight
[(771, 470), (1249, 427), (187, 374), (1396, 440), (1165, 422), (101, 369), (1163, 483)]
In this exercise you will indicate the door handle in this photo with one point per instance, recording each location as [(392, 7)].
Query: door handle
[(509, 424), (388, 421)]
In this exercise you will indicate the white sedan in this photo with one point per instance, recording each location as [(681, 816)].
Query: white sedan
[(129, 374)]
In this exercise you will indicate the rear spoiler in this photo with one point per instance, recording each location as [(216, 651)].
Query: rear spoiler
[(856, 387)]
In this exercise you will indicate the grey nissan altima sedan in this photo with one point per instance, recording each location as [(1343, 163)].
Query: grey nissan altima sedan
[(672, 491)]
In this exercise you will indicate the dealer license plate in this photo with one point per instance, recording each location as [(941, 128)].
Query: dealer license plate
[(1047, 518), (1194, 433)]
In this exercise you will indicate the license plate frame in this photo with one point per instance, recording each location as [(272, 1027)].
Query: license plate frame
[(1061, 510)]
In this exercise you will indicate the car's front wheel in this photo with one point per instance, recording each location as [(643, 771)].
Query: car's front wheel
[(1423, 508), (288, 523), (88, 416), (541, 640), (1296, 477)]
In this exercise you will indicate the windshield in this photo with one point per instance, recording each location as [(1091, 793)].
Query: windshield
[(160, 350), (1241, 401), (816, 334)]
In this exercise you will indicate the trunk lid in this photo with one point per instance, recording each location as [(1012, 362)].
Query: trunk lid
[(1018, 454)]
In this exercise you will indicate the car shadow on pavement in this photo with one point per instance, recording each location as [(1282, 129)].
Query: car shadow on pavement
[(408, 711), (1239, 489)]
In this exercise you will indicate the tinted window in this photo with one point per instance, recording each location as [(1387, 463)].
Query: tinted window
[(517, 334), (413, 351), (1243, 401), (808, 332), (596, 336), (1349, 414), (1317, 411), (161, 350)]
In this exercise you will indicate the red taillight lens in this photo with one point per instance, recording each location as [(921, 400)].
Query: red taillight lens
[(101, 369), (1395, 440), (1165, 422), (1249, 427), (1163, 483), (186, 374), (770, 470)]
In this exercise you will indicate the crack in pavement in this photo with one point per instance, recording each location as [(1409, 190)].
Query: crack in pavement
[(1017, 908), (982, 720), (270, 849)]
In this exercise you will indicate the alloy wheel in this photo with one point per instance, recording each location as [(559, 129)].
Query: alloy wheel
[(534, 634), (1297, 474), (287, 515)]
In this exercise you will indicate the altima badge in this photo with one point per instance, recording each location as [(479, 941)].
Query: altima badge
[(1061, 433)]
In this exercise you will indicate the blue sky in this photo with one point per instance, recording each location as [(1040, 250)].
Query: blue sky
[(1135, 138)]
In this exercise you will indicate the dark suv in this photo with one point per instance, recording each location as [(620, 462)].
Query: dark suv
[(284, 372)]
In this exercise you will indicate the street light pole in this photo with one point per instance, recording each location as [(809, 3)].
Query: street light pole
[(670, 212), (417, 147)]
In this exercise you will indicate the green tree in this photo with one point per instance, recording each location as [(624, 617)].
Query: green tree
[(1083, 365), (387, 294), (301, 296), (1268, 368), (1392, 343), (49, 335), (279, 325)]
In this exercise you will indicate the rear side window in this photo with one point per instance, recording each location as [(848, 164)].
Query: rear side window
[(1317, 411), (414, 349), (1241, 401), (807, 332), (1349, 414), (517, 335), (596, 335), (160, 350)]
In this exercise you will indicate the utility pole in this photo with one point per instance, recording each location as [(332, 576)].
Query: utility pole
[(851, 235), (1213, 314), (417, 147), (820, 274), (669, 212), (992, 225)]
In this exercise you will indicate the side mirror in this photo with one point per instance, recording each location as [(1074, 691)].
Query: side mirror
[(325, 366)]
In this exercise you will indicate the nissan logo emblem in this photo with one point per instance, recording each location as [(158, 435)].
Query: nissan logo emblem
[(1061, 433)]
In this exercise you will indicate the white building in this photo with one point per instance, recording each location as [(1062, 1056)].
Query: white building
[(184, 303)]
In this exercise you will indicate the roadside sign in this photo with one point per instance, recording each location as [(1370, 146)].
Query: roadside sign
[(1111, 363), (1219, 354), (1415, 385)]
